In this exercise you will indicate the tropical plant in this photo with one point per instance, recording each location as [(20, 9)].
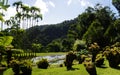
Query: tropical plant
[(15, 65), (26, 68), (113, 54), (18, 5), (43, 64), (35, 13), (69, 60), (94, 49), (79, 45), (99, 61), (90, 66)]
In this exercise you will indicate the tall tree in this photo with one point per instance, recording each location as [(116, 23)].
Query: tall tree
[(25, 14), (116, 3), (37, 17), (18, 16), (34, 11), (18, 6), (94, 32), (3, 6)]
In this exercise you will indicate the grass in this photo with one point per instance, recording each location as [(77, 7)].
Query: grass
[(45, 54), (60, 71), (78, 70), (56, 70), (51, 53)]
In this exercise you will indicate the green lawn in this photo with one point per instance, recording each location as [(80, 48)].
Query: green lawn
[(79, 70), (51, 53), (56, 70)]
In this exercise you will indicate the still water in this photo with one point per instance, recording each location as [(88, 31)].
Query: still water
[(53, 59)]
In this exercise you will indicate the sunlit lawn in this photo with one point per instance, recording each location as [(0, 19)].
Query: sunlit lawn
[(51, 53), (78, 70), (56, 70)]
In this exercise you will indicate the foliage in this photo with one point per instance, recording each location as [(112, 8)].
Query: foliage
[(90, 67), (54, 46), (6, 40), (89, 26), (94, 32), (113, 55), (3, 5), (43, 64), (116, 3), (81, 55), (2, 49), (17, 51), (15, 64), (37, 47), (18, 37), (79, 45), (67, 44), (94, 49), (95, 24), (99, 60), (26, 68), (69, 60), (23, 66)]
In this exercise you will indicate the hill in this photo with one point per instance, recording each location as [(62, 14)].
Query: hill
[(94, 25)]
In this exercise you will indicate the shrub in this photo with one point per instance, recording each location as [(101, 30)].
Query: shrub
[(81, 54), (69, 59), (15, 65), (94, 49), (90, 67), (43, 64), (113, 56), (26, 68), (81, 58), (99, 60), (61, 65)]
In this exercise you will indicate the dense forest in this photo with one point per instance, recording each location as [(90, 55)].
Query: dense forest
[(96, 24)]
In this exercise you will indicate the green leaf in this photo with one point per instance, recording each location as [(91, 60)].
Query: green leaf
[(6, 40)]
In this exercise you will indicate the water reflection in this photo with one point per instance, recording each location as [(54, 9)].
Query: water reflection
[(53, 59)]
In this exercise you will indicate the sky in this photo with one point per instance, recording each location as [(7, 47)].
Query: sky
[(57, 11)]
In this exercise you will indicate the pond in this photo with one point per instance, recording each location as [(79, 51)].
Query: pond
[(53, 59)]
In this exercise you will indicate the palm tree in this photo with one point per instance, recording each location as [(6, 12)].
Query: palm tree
[(28, 20), (34, 10), (37, 17), (8, 23), (25, 10), (18, 17), (18, 6), (3, 6)]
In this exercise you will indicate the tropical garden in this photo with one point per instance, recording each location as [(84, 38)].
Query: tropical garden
[(88, 44)]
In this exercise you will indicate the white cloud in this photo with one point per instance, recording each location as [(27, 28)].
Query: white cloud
[(42, 5), (52, 4), (11, 11), (69, 2), (85, 3)]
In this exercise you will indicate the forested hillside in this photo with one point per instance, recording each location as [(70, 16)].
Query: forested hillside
[(46, 33), (96, 24)]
